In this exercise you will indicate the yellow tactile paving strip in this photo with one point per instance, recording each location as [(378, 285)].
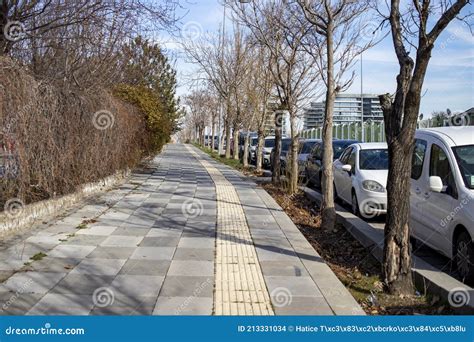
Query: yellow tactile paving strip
[(240, 288)]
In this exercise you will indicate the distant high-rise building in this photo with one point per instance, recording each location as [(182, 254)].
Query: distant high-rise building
[(347, 109)]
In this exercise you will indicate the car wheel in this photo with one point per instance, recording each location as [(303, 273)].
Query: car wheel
[(464, 257), (355, 204)]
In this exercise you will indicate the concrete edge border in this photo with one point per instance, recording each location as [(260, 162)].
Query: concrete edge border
[(31, 213), (427, 278)]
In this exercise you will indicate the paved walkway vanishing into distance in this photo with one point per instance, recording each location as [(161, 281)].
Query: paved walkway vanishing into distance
[(186, 236)]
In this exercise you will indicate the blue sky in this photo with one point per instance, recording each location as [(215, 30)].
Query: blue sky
[(449, 81)]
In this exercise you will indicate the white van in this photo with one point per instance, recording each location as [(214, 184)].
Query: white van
[(442, 194)]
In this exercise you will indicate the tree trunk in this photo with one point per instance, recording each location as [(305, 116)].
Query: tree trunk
[(245, 158), (213, 133), (397, 260), (277, 149), (236, 143), (400, 125), (259, 150), (294, 173), (328, 211), (228, 134)]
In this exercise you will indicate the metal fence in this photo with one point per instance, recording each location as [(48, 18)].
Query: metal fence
[(373, 132)]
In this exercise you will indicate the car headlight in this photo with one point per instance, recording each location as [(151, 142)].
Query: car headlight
[(371, 185)]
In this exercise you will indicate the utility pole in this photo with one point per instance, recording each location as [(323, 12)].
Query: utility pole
[(362, 130), (221, 112)]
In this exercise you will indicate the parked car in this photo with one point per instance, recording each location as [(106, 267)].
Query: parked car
[(442, 194), (304, 150), (242, 136), (314, 162), (267, 149), (285, 146), (253, 150), (360, 178)]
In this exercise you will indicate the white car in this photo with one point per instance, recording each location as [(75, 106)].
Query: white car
[(442, 194), (360, 178)]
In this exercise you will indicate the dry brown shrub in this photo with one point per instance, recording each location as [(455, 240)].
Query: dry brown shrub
[(49, 134)]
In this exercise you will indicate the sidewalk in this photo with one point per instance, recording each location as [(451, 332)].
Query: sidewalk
[(190, 237)]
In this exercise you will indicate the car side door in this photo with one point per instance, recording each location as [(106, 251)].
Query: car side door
[(311, 165), (438, 207), (417, 184), (340, 176)]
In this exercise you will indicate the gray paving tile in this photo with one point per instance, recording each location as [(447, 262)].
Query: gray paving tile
[(81, 284), (103, 252), (283, 268), (97, 230), (184, 286), (146, 267), (196, 242), (17, 304), (160, 241), (71, 251), (48, 264), (129, 230), (296, 286), (85, 240), (191, 305), (122, 241), (63, 304), (137, 285), (304, 306), (33, 282), (194, 254), (99, 266), (153, 253), (127, 306), (191, 268)]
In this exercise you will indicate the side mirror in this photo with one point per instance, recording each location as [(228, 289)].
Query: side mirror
[(436, 184), (347, 167)]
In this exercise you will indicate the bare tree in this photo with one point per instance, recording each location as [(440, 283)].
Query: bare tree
[(337, 27), (409, 30), (220, 61), (273, 25)]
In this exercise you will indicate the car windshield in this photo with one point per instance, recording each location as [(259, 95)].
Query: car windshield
[(307, 146), (376, 159), (465, 159), (254, 142), (270, 142)]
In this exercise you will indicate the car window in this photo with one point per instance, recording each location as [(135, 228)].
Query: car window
[(345, 155), (317, 152), (418, 158), (373, 159), (351, 159), (465, 159), (439, 166)]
